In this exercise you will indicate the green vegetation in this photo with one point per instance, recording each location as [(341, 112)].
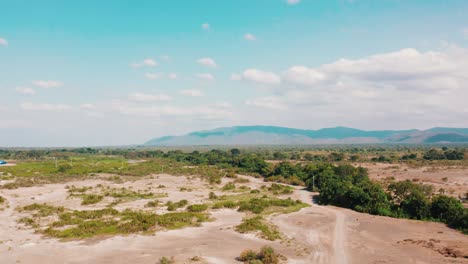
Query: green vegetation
[(319, 168), (91, 199), (270, 205), (90, 223), (266, 255), (181, 219), (452, 154), (225, 204), (350, 187), (154, 203), (259, 224), (166, 260), (2, 200), (280, 189), (197, 207), (171, 206), (229, 186)]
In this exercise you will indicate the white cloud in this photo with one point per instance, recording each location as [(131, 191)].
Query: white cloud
[(88, 106), (146, 62), (304, 75), (209, 62), (191, 92), (172, 76), (153, 76), (403, 69), (206, 26), (205, 112), (3, 42), (147, 98), (165, 57), (205, 76), (270, 102), (48, 84), (45, 107), (249, 37), (293, 2), (236, 77), (261, 76), (25, 90)]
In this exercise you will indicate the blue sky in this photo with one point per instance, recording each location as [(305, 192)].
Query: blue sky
[(78, 73)]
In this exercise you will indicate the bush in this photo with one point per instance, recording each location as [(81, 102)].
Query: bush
[(154, 203), (165, 260), (91, 199), (171, 206), (267, 255), (257, 223), (197, 207), (229, 186), (247, 255), (212, 196), (225, 204)]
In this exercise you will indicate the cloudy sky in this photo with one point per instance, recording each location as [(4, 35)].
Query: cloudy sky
[(75, 73)]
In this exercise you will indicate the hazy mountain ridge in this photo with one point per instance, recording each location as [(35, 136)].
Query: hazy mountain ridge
[(274, 135)]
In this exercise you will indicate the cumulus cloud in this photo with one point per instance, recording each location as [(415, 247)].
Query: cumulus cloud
[(3, 42), (236, 77), (191, 92), (206, 26), (270, 102), (406, 88), (153, 76), (45, 107), (205, 76), (209, 62), (25, 90), (88, 106), (260, 76), (148, 98), (293, 2), (250, 37), (145, 63), (48, 84), (172, 76), (403, 69)]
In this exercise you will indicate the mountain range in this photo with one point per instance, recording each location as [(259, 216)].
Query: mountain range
[(274, 135)]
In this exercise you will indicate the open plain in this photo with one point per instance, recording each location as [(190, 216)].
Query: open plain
[(311, 234)]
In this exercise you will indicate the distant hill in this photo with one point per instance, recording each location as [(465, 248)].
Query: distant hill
[(273, 135)]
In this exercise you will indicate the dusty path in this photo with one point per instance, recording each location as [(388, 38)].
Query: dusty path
[(312, 226)]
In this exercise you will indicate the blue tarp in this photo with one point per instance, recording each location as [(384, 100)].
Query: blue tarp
[(2, 162)]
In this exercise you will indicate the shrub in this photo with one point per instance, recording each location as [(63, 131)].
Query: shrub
[(165, 260), (257, 223), (197, 207), (267, 255), (212, 196), (171, 206), (229, 186), (247, 255), (225, 204), (180, 219), (154, 203), (91, 199)]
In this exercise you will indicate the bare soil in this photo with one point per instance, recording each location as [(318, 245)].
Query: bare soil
[(316, 234)]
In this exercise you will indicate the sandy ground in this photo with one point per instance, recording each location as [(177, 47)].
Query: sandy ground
[(316, 234), (455, 182)]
